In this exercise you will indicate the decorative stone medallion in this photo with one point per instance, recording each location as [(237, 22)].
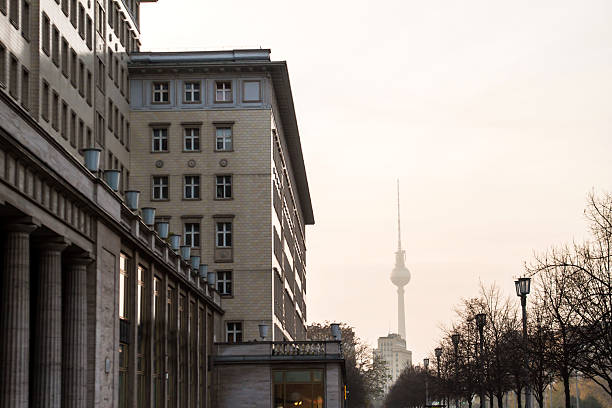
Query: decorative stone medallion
[(223, 162), (159, 164), (191, 163)]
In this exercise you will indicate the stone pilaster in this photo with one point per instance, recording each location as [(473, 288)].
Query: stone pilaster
[(47, 328), (15, 317), (74, 350)]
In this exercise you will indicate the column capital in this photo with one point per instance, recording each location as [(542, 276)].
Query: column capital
[(21, 224), (53, 243), (78, 258)]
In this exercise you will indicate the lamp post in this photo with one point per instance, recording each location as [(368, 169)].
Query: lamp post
[(523, 286), (455, 338), (426, 365), (481, 321), (438, 352)]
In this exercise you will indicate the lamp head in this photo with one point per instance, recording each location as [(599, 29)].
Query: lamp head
[(523, 286), (438, 352), (426, 363), (455, 338)]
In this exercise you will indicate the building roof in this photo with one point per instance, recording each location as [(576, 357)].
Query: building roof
[(248, 60)]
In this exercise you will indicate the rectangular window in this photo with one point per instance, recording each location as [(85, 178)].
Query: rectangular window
[(81, 21), (109, 61), (233, 332), (110, 114), (81, 78), (224, 234), (101, 20), (223, 91), (224, 187), (100, 75), (116, 121), (2, 64), (55, 52), (25, 88), (13, 79), (123, 375), (44, 101), (73, 135), (161, 92), (291, 386), (3, 6), (191, 190), (25, 20), (89, 33), (124, 287), (81, 139), (127, 135), (73, 68), (100, 133), (73, 13), (141, 339), (65, 6), (123, 81), (160, 140), (46, 34), (65, 57), (251, 91), (64, 120), (224, 282), (224, 139), (192, 92), (160, 188), (116, 70), (14, 12), (89, 90), (192, 234), (55, 111), (191, 139)]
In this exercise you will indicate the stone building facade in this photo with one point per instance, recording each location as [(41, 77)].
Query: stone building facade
[(216, 150), (392, 349)]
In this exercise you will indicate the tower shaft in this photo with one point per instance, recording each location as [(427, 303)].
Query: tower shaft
[(401, 314)]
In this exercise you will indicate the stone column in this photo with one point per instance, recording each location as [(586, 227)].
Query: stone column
[(15, 317), (47, 328), (74, 345)]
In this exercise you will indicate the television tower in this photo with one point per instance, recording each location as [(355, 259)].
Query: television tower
[(400, 276)]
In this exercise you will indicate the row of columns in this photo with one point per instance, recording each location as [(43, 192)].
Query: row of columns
[(58, 329)]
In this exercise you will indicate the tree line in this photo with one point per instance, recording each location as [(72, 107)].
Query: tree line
[(484, 355)]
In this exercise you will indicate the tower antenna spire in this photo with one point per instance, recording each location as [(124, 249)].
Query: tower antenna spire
[(399, 231)]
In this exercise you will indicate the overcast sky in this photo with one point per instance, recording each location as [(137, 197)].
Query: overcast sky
[(495, 115)]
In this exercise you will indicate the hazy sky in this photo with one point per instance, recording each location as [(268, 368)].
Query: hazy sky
[(495, 115)]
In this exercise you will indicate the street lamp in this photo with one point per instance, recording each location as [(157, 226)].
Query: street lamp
[(523, 287), (481, 321), (438, 352), (455, 338), (426, 365)]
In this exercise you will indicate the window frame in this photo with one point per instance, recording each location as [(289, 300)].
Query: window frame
[(160, 138), (161, 187), (260, 96), (235, 332), (192, 91), (224, 186), (224, 235), (195, 234), (224, 91), (191, 127), (225, 283), (195, 187), (161, 92), (219, 126)]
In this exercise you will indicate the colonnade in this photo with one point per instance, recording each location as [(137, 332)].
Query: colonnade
[(43, 334)]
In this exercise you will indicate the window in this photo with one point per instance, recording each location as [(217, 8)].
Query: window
[(160, 188), (64, 120), (110, 114), (123, 375), (3, 6), (291, 387), (224, 282), (81, 140), (81, 21), (224, 187), (160, 140), (81, 78), (13, 72), (2, 64), (116, 70), (25, 20), (251, 91), (55, 46), (100, 135), (100, 75), (101, 20), (73, 68), (89, 87), (141, 339), (55, 111), (192, 92), (14, 12), (73, 13), (223, 91), (224, 234), (73, 135), (65, 57), (46, 34), (192, 140), (89, 33), (233, 332), (110, 62), (65, 6), (25, 88), (192, 234), (44, 101), (161, 92), (192, 188), (123, 79), (124, 287), (224, 139)]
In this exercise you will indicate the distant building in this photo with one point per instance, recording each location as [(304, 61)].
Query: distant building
[(392, 349)]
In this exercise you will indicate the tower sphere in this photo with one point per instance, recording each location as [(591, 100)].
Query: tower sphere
[(400, 275)]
